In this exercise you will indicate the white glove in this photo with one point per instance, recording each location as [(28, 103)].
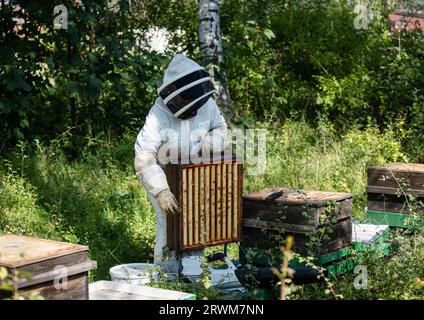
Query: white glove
[(167, 202)]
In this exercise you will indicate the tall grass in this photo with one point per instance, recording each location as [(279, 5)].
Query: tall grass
[(299, 156), (97, 200)]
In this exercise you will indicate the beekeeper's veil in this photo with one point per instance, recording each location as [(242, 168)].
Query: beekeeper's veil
[(186, 87)]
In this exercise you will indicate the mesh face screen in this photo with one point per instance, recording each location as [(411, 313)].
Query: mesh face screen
[(182, 82)]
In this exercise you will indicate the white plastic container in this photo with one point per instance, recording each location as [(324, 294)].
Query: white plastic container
[(107, 290), (134, 273)]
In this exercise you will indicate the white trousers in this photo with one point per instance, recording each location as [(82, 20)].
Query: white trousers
[(168, 260)]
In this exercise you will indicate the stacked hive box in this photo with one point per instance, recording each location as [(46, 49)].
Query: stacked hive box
[(51, 269), (320, 222), (389, 192)]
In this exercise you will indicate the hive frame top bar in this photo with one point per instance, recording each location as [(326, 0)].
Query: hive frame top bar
[(216, 158)]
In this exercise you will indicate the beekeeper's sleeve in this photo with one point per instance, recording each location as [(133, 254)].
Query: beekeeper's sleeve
[(148, 142)]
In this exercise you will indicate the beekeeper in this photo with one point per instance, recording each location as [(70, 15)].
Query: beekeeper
[(183, 122)]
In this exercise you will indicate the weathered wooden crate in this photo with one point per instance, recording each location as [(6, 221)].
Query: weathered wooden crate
[(269, 216), (389, 185), (48, 264), (210, 197)]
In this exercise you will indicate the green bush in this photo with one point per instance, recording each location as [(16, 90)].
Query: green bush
[(89, 201), (300, 156), (398, 276)]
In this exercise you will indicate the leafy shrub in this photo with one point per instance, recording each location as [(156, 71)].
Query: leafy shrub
[(300, 156)]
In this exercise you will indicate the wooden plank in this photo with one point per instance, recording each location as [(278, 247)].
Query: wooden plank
[(16, 250), (393, 191), (399, 167), (224, 200), (202, 228), (196, 205), (76, 289), (240, 203), (185, 207), (53, 273), (41, 267), (218, 202), (339, 236), (213, 203), (277, 226), (207, 204), (230, 200), (397, 174), (190, 206), (236, 207), (296, 196), (293, 213), (221, 158), (393, 203), (388, 206)]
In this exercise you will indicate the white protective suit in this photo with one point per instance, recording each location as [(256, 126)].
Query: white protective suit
[(161, 127)]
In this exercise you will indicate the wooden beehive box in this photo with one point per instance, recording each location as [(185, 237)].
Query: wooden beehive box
[(389, 185), (48, 263), (210, 197), (270, 215)]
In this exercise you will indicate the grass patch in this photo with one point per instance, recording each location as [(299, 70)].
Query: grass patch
[(97, 200)]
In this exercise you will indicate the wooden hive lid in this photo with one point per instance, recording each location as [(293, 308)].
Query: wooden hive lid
[(298, 197), (17, 251), (399, 167)]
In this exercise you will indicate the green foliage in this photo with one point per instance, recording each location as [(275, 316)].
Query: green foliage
[(305, 59), (398, 276), (335, 100), (90, 201), (93, 77), (302, 157)]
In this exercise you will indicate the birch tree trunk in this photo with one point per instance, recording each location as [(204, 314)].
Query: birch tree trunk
[(210, 44)]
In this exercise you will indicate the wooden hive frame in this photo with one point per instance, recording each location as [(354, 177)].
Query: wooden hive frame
[(210, 197)]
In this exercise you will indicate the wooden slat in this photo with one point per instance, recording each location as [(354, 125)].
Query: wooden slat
[(240, 203), (190, 206), (202, 204), (224, 201), (393, 191), (236, 208), (213, 203), (229, 200), (277, 226), (77, 289), (185, 218), (207, 203), (218, 202), (196, 205), (52, 274)]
